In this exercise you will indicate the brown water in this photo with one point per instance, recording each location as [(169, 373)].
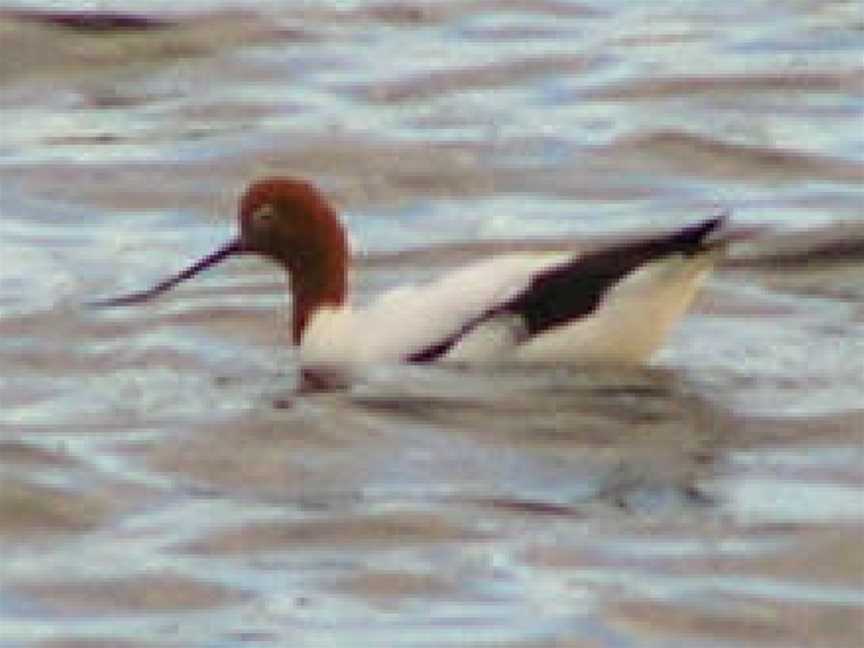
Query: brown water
[(164, 484)]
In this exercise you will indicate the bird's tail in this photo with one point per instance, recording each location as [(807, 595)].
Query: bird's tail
[(701, 236)]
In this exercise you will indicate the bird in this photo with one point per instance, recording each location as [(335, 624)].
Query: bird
[(614, 305)]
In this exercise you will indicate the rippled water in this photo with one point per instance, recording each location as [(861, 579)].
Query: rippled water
[(164, 484)]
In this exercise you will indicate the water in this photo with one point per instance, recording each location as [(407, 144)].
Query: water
[(164, 484)]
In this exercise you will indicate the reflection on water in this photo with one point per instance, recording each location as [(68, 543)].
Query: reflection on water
[(163, 481)]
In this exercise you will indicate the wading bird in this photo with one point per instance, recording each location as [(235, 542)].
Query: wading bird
[(613, 305)]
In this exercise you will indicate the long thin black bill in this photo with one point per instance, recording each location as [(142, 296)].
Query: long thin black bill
[(229, 249)]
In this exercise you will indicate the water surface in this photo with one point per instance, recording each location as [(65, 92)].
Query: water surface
[(164, 483)]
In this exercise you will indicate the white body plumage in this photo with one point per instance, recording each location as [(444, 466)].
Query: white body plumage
[(630, 323)]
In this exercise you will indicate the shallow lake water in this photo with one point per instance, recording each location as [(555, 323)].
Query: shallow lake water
[(164, 483)]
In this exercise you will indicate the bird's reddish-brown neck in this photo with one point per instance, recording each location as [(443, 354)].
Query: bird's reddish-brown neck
[(318, 281)]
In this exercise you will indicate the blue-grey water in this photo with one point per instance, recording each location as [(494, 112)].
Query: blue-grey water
[(162, 481)]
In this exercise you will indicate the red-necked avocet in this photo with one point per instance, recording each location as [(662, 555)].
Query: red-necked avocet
[(614, 305)]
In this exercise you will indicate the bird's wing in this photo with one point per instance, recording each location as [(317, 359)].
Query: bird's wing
[(531, 293), (559, 293)]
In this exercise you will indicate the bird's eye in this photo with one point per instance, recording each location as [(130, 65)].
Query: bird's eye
[(264, 215)]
